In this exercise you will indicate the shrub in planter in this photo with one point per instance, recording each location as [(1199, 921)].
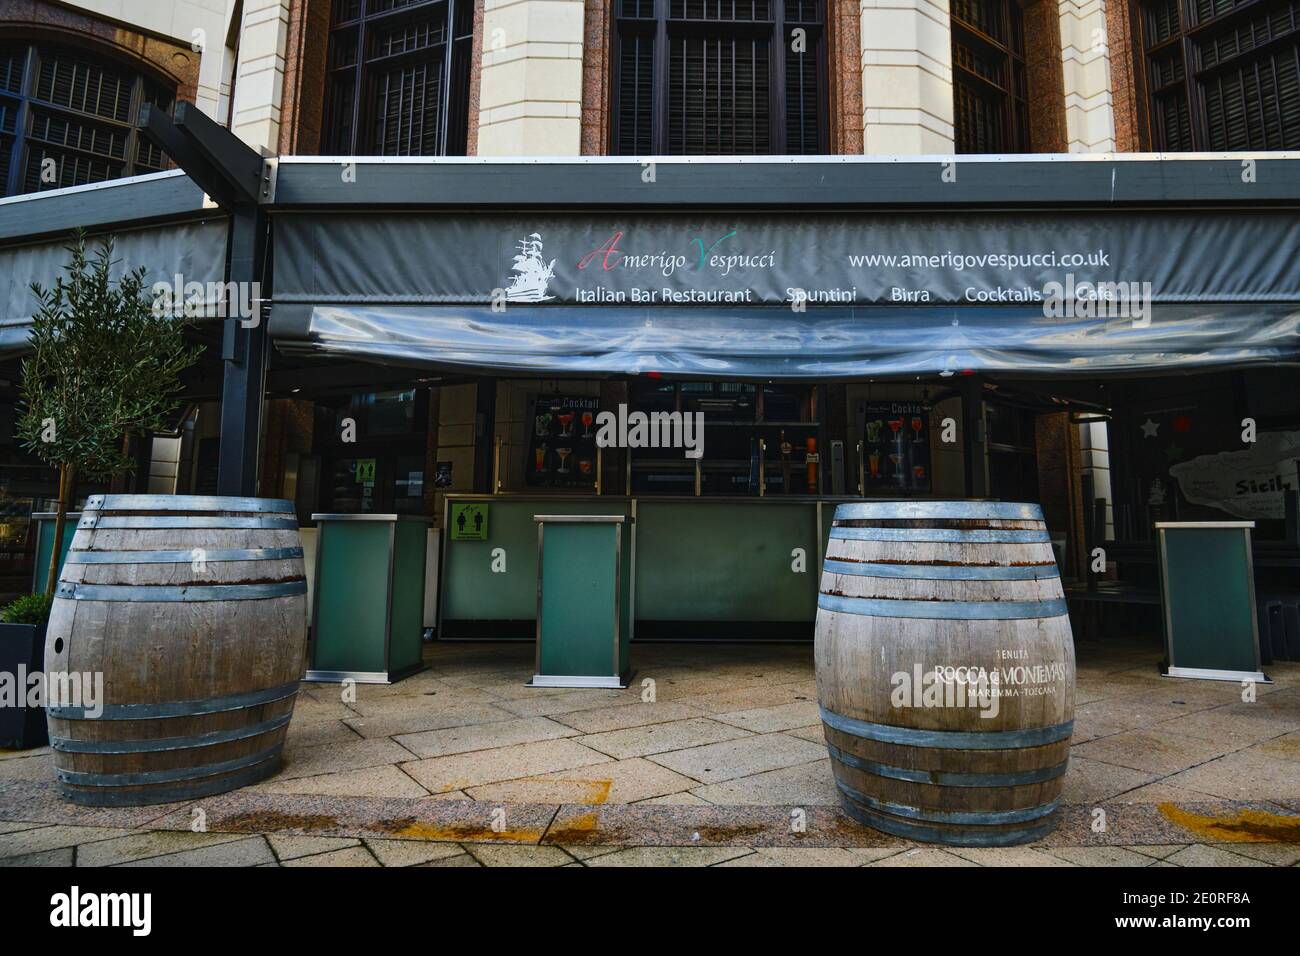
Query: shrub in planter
[(22, 654)]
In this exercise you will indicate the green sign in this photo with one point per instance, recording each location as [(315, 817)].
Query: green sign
[(365, 470), (469, 522)]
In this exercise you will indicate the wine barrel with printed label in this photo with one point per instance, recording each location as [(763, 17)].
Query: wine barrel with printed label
[(945, 669), (192, 611)]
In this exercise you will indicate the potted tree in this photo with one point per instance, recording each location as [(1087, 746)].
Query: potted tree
[(104, 364)]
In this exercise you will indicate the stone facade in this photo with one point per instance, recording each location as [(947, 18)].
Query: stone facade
[(1085, 56), (906, 77), (530, 85)]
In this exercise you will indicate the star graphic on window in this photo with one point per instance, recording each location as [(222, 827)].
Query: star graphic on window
[(1149, 429)]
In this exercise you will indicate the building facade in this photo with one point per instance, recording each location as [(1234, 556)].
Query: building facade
[(338, 93)]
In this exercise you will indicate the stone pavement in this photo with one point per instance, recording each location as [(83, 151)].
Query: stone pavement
[(462, 765)]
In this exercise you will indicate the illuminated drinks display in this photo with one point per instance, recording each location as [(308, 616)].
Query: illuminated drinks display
[(891, 459), (587, 419), (566, 424), (564, 454)]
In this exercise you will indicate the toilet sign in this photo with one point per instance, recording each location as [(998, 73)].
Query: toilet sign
[(469, 522), (365, 471)]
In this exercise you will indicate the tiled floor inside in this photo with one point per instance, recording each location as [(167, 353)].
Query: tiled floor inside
[(713, 756)]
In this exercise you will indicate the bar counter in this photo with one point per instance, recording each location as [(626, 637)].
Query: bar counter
[(722, 566)]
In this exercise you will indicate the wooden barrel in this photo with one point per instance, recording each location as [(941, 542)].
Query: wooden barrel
[(945, 669), (194, 611)]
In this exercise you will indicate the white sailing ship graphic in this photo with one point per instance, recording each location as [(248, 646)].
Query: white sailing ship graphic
[(532, 272)]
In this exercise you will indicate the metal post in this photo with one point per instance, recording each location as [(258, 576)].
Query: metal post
[(974, 441), (244, 354)]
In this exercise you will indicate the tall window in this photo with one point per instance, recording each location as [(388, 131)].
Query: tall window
[(1223, 74), (399, 78), (719, 77), (988, 72), (68, 118)]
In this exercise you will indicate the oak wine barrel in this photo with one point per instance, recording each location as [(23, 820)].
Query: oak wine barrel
[(194, 610), (945, 669)]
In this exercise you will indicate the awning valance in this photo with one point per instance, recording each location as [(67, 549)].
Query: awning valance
[(773, 342)]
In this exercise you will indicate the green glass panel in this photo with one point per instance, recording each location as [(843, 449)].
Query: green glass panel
[(707, 560), (1207, 593), (579, 584), (349, 626), (45, 541), (406, 643)]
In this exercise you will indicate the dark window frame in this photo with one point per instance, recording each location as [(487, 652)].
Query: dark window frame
[(352, 124), (22, 107), (1184, 46), (1008, 91), (661, 27)]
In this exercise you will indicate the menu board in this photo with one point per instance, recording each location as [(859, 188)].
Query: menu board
[(562, 442), (896, 446)]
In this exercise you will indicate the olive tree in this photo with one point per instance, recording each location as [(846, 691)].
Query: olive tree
[(105, 364)]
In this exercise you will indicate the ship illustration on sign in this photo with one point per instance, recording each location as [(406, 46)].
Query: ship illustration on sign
[(532, 272)]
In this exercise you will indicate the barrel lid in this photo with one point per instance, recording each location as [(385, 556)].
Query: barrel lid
[(187, 503), (1011, 510)]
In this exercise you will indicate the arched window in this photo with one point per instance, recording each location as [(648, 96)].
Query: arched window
[(988, 77), (399, 78), (1222, 74), (67, 117), (719, 77)]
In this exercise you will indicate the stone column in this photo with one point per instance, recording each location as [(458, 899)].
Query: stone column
[(530, 88), (259, 73), (1085, 59), (906, 77)]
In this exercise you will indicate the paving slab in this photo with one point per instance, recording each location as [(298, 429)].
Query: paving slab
[(1285, 747), (495, 855), (61, 857), (461, 859), (333, 758), (247, 852), (767, 720), (659, 738), (730, 759), (928, 856), (1201, 855), (318, 733), (422, 719), (804, 784), (1100, 856), (669, 856), (603, 719), (676, 799), (1277, 854), (1092, 781), (1016, 856), (622, 781), (553, 704), (355, 856), (139, 846), (1152, 750), (412, 852), (462, 771), (289, 847), (385, 781), (1243, 776), (487, 736), (797, 856), (23, 842)]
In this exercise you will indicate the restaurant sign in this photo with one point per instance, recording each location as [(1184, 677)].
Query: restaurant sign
[(809, 260)]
